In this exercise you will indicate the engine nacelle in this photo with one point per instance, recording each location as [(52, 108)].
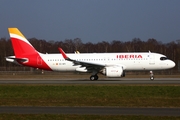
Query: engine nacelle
[(113, 72)]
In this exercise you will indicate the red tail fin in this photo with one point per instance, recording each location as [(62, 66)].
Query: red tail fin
[(20, 44), (25, 53)]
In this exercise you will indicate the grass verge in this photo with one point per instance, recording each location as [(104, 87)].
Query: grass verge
[(82, 117), (90, 95)]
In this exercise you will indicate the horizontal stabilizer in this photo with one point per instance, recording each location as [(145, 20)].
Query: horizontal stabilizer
[(16, 60)]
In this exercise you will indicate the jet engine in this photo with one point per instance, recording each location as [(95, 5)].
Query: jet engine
[(113, 71)]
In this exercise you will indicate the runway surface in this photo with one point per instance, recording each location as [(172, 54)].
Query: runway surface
[(93, 111), (87, 81)]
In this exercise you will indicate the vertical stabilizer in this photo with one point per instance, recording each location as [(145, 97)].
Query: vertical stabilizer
[(20, 44)]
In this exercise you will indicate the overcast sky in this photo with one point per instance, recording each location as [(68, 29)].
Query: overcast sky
[(92, 20)]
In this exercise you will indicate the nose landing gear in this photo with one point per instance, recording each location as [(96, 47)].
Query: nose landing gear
[(151, 75)]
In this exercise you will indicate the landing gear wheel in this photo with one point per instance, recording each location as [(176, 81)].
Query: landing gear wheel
[(151, 75), (152, 78), (94, 77)]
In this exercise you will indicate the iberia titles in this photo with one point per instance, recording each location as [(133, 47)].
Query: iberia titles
[(128, 56)]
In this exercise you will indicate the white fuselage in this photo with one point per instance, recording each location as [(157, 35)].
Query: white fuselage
[(129, 61)]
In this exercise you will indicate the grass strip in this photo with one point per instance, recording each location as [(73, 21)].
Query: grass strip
[(90, 95)]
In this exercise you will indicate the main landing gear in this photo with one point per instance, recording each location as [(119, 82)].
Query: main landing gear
[(151, 75), (94, 77)]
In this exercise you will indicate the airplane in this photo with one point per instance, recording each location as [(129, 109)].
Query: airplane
[(108, 64)]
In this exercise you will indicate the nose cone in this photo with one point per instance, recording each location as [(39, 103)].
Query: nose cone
[(171, 64)]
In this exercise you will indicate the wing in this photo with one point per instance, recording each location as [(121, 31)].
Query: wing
[(90, 66)]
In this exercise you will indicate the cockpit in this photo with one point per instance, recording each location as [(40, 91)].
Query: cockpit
[(163, 58)]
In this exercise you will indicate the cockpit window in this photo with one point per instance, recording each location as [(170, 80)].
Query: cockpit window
[(163, 58)]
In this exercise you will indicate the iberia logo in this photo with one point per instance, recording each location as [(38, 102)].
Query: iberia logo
[(129, 56), (114, 70)]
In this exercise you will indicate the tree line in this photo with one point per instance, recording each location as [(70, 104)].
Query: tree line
[(171, 49)]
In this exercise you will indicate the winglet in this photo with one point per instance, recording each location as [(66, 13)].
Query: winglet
[(63, 53)]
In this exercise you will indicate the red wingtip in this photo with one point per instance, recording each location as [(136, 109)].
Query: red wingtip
[(63, 53)]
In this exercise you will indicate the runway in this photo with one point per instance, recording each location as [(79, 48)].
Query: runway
[(87, 81), (92, 111)]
